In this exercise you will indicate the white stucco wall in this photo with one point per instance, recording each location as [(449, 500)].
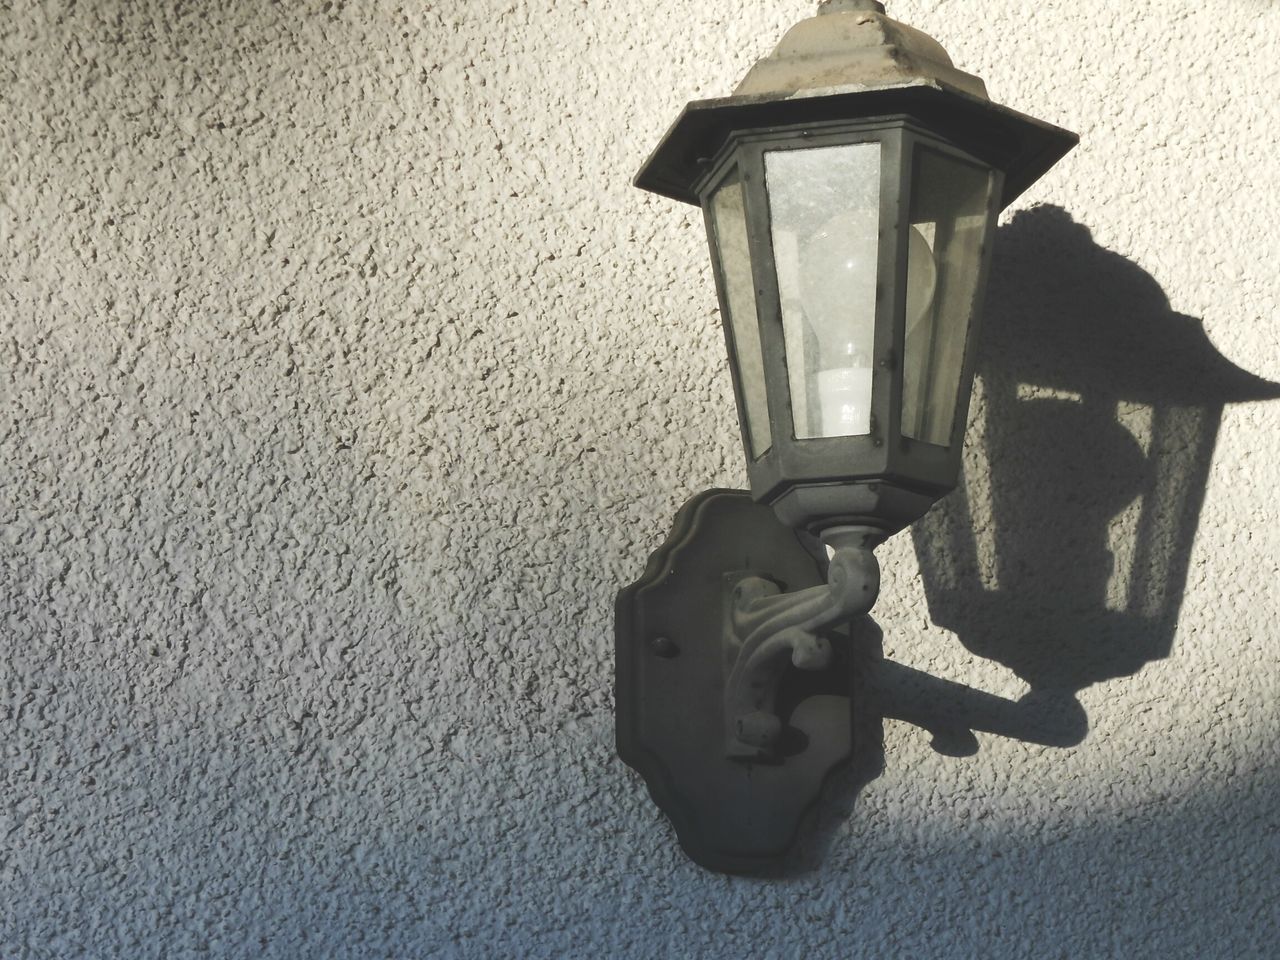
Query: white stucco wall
[(346, 379)]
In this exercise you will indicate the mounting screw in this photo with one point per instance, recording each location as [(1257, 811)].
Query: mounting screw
[(663, 647)]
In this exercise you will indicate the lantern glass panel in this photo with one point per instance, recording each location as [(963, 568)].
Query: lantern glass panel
[(738, 298), (824, 209), (950, 204)]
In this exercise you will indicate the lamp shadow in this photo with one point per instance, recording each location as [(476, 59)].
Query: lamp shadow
[(1063, 553)]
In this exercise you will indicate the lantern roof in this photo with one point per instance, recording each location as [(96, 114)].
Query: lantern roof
[(851, 62)]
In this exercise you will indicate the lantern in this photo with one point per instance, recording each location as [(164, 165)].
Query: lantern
[(850, 229), (850, 188)]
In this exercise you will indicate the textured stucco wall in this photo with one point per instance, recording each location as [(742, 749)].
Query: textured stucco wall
[(346, 380)]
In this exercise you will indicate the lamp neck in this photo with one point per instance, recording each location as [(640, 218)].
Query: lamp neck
[(849, 6)]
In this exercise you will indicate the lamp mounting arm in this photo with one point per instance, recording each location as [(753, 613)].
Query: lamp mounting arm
[(767, 629)]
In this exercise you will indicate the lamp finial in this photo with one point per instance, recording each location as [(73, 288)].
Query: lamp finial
[(848, 6)]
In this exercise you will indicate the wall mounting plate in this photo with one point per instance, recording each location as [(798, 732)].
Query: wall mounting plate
[(731, 814)]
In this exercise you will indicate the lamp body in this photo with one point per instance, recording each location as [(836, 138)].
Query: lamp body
[(849, 259)]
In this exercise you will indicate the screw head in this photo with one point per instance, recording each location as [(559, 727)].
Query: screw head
[(663, 647)]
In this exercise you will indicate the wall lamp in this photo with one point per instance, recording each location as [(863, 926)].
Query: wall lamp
[(850, 187)]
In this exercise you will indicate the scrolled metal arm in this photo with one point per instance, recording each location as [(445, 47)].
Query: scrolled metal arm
[(770, 629)]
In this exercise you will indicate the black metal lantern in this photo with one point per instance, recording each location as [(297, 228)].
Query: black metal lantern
[(851, 187)]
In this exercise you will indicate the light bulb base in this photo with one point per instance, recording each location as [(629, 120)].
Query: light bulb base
[(844, 396)]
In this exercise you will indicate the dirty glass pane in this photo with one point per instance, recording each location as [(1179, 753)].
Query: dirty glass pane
[(824, 208), (948, 241)]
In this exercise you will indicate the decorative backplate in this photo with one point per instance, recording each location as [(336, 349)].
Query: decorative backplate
[(731, 814)]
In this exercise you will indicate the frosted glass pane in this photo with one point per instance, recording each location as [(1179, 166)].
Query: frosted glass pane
[(948, 240), (824, 206), (729, 221)]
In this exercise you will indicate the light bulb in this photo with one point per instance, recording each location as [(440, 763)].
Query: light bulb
[(838, 290)]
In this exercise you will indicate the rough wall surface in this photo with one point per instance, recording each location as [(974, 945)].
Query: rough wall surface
[(346, 380)]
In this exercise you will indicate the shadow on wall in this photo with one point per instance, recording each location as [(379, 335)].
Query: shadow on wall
[(1063, 554)]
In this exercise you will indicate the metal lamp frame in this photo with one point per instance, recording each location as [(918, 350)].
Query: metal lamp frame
[(732, 661)]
